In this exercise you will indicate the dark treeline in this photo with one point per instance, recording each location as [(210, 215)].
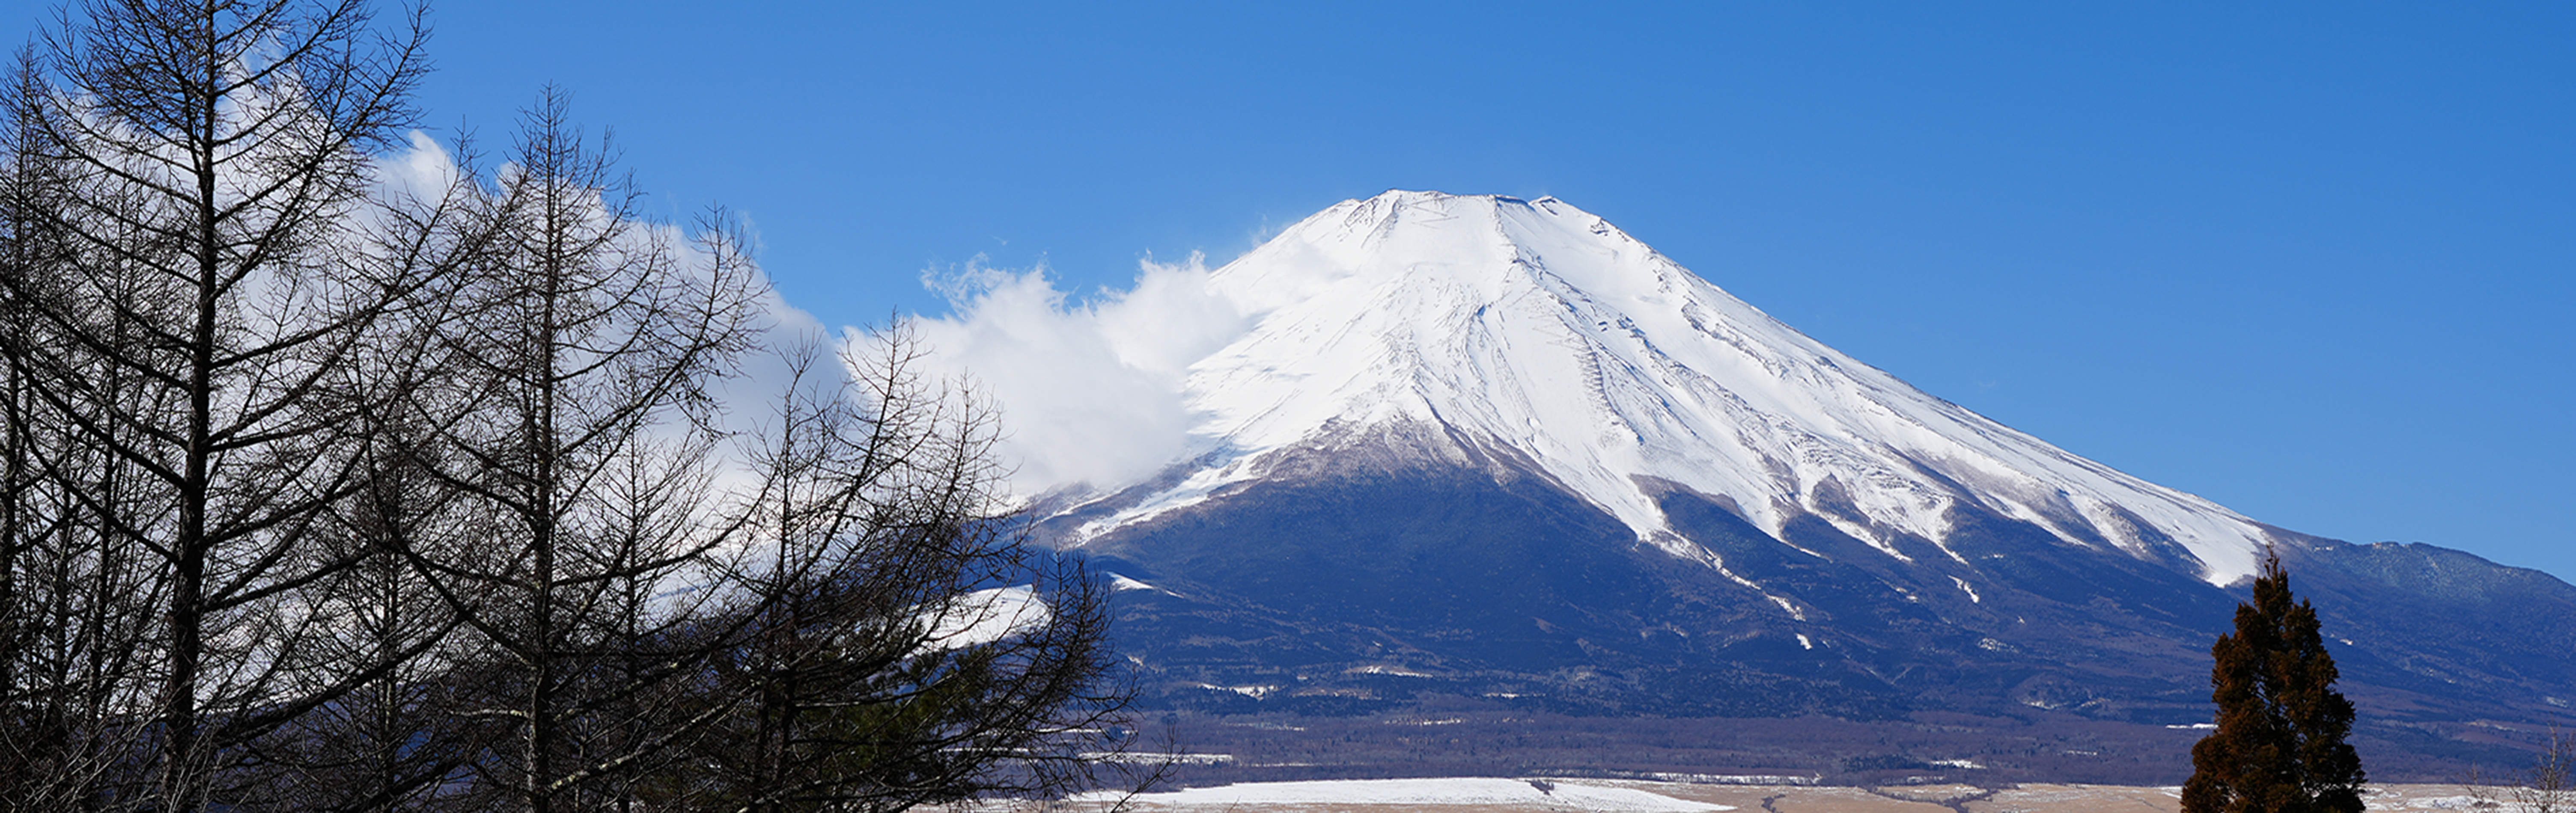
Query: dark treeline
[(331, 486)]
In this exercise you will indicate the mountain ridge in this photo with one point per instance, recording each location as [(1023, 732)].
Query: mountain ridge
[(1505, 318), (1522, 466)]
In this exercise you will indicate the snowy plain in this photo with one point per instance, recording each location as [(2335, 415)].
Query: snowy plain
[(1495, 794), (1478, 792)]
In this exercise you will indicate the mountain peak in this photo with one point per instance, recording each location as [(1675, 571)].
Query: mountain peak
[(1538, 328)]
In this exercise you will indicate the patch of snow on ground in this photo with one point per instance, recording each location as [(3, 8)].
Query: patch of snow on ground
[(1971, 591), (986, 616), (1119, 583), (1455, 791), (1727, 778), (1146, 758), (1254, 692), (1397, 671)]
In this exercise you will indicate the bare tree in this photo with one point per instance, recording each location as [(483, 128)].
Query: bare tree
[(202, 163), (394, 743), (75, 591), (904, 645), (586, 348), (317, 493), (2549, 785)]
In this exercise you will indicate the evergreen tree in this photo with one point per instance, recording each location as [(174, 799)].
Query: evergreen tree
[(2279, 746)]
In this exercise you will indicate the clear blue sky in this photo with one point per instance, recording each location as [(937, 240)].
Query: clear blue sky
[(2312, 261)]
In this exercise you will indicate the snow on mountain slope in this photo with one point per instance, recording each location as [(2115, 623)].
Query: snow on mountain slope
[(1534, 326)]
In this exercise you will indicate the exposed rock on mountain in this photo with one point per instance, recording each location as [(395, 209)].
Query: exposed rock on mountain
[(1497, 449)]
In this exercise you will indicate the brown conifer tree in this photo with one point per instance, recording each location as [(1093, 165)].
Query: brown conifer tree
[(2280, 744)]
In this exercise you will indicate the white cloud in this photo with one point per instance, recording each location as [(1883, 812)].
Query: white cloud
[(748, 398), (1090, 389)]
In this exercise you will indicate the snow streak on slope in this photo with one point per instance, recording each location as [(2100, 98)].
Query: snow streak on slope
[(1536, 327)]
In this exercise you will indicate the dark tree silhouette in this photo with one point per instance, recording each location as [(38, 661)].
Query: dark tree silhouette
[(2280, 744), (590, 348), (901, 643), (185, 285), (327, 484)]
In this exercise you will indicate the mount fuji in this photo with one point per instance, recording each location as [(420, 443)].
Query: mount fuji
[(1495, 455)]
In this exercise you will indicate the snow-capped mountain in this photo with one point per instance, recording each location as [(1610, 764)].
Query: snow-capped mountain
[(1482, 452), (1536, 327)]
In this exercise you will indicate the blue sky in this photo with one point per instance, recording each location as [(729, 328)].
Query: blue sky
[(2312, 261)]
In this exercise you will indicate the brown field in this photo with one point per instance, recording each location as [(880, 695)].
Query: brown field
[(1924, 748)]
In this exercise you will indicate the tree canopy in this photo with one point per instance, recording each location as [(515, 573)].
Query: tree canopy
[(2279, 747)]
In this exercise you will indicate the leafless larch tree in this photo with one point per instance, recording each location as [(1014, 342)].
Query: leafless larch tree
[(189, 175), (903, 646), (327, 486)]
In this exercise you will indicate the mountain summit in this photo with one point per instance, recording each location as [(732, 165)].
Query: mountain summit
[(1481, 454), (1540, 329)]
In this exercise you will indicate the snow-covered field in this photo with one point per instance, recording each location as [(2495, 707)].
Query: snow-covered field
[(1483, 793), (1442, 795)]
